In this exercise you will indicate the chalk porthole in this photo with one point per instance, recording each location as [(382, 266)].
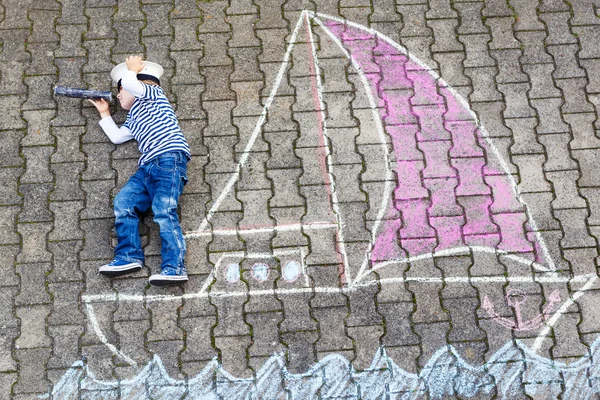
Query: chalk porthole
[(291, 271), (260, 272), (232, 273)]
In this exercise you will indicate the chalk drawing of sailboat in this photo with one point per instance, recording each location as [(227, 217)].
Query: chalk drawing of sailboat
[(443, 190)]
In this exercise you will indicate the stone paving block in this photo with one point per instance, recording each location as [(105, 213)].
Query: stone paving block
[(264, 332), (71, 13), (593, 202), (7, 362), (98, 29), (557, 151), (66, 263), (97, 244), (43, 22), (7, 223), (9, 194), (33, 242), (11, 118), (470, 18), (587, 163), (156, 15), (33, 327), (565, 189), (11, 81), (462, 313), (573, 224), (185, 34), (65, 345), (198, 338), (332, 334), (8, 256), (66, 183), (517, 104), (565, 61), (540, 78), (440, 9), (509, 67), (38, 128), (30, 379), (502, 33), (568, 347), (96, 51), (133, 341), (549, 6), (496, 8), (558, 28), (491, 116), (584, 13), (484, 89), (33, 289), (234, 358), (13, 45), (549, 115), (431, 335), (531, 178), (40, 92), (71, 44), (37, 166), (582, 261), (65, 297), (35, 198), (443, 33), (128, 37), (534, 51), (9, 148), (98, 202), (414, 20), (525, 140), (128, 10), (574, 95)]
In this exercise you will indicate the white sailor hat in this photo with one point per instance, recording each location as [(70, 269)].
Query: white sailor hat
[(151, 71)]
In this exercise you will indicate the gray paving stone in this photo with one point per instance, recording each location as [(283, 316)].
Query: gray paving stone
[(508, 64), (557, 151), (35, 198), (11, 81), (533, 47), (30, 380), (470, 17)]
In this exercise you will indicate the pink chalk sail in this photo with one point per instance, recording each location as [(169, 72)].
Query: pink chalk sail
[(448, 193)]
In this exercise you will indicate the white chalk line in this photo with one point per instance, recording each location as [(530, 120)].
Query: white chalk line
[(386, 197), (252, 231), (465, 104), (261, 120), (92, 318), (334, 197), (99, 298), (568, 303)]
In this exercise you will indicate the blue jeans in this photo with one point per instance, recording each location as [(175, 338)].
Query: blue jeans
[(157, 184)]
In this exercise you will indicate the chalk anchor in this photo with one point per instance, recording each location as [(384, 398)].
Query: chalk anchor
[(514, 299)]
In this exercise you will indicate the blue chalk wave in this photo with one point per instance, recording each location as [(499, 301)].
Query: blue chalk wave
[(514, 370)]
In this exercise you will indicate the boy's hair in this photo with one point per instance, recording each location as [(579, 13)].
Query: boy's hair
[(149, 82)]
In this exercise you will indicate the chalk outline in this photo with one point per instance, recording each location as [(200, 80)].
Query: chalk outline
[(356, 283)]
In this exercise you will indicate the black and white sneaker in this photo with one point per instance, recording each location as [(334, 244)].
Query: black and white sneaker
[(169, 276), (118, 268)]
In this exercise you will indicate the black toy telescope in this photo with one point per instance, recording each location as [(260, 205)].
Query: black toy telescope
[(82, 93)]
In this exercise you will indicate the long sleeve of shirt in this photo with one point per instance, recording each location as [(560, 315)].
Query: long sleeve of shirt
[(132, 85), (115, 134)]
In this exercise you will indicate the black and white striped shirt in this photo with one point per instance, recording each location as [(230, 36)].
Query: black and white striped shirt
[(151, 121)]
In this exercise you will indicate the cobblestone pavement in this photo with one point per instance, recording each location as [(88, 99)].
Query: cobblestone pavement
[(386, 200)]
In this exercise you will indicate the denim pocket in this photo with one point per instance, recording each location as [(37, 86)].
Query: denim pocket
[(166, 162)]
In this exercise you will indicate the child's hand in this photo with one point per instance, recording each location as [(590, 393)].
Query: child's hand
[(134, 63), (102, 107)]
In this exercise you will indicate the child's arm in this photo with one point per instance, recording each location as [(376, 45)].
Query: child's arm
[(115, 134), (131, 83)]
